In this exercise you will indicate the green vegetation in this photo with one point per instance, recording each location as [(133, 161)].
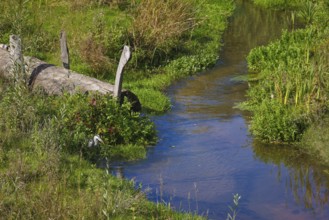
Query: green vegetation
[(46, 168), (278, 4), (289, 88), (166, 46), (234, 209)]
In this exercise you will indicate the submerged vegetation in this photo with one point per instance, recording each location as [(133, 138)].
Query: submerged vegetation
[(289, 87), (46, 168)]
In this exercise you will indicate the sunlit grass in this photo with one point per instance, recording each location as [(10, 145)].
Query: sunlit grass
[(46, 171), (289, 88)]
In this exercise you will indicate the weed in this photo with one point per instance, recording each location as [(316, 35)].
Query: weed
[(308, 11), (233, 210), (290, 90), (278, 4)]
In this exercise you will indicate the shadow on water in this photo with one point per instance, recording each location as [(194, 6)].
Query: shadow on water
[(206, 154)]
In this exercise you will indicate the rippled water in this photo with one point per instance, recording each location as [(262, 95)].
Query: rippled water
[(206, 154)]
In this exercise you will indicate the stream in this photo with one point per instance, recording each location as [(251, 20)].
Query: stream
[(206, 154)]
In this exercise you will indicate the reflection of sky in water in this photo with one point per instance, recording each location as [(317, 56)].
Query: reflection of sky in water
[(205, 153)]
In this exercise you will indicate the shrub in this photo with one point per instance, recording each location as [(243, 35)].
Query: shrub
[(275, 122), (84, 116), (73, 120)]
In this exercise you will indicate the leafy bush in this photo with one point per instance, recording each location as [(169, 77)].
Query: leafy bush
[(75, 119), (84, 116), (275, 122)]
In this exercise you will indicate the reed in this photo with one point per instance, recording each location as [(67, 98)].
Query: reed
[(293, 73)]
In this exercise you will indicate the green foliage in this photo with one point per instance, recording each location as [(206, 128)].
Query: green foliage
[(85, 116), (290, 88), (278, 4), (233, 210), (189, 65), (74, 119), (188, 32), (63, 186), (126, 152), (308, 11), (43, 173), (275, 122), (101, 47), (194, 53), (155, 100), (45, 170)]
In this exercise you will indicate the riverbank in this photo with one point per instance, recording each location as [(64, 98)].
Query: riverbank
[(289, 84), (165, 47), (288, 88), (46, 169)]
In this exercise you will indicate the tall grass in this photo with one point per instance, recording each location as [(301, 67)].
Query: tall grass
[(291, 89), (158, 27), (278, 4)]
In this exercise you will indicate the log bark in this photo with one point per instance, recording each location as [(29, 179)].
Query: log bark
[(54, 81)]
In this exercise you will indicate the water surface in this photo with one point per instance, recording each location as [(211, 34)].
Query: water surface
[(205, 153)]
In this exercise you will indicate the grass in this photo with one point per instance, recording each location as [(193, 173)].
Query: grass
[(95, 45), (67, 187), (289, 90), (46, 170), (278, 4)]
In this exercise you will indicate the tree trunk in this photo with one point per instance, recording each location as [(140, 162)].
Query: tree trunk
[(54, 80)]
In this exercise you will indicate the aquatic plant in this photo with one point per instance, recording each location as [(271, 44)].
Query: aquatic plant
[(234, 208), (278, 4), (290, 89)]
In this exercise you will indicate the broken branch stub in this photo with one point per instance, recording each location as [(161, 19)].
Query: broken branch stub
[(125, 56), (64, 51), (17, 69)]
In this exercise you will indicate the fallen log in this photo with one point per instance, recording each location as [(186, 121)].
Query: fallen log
[(55, 80)]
